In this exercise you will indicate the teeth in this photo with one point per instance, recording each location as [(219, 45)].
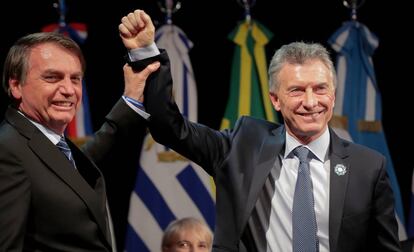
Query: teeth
[(65, 104), (311, 114)]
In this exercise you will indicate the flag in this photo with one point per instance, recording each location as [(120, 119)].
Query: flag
[(76, 31), (358, 106), (249, 84), (410, 224), (81, 126), (168, 186), (249, 87)]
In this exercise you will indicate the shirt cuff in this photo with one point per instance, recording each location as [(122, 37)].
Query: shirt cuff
[(143, 53), (136, 106)]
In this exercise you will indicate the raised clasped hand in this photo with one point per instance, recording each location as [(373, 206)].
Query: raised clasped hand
[(136, 30)]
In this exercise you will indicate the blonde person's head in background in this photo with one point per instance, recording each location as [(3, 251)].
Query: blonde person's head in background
[(187, 234)]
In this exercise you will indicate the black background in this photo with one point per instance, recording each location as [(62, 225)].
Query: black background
[(207, 24)]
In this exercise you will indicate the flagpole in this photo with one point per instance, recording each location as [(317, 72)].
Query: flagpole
[(354, 6), (62, 14)]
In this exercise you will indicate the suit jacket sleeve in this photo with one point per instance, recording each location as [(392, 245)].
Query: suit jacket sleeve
[(384, 214), (15, 201), (122, 127), (204, 146)]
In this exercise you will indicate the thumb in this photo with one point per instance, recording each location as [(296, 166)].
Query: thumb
[(131, 75), (147, 70), (151, 68)]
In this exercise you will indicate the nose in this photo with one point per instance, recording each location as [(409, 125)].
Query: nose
[(309, 100), (67, 87)]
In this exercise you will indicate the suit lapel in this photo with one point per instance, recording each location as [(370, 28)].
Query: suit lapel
[(93, 176), (339, 158), (269, 151), (57, 162)]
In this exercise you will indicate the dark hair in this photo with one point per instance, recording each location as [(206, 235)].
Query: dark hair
[(17, 60)]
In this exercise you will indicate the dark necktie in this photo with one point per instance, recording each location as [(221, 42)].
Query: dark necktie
[(64, 147), (304, 229)]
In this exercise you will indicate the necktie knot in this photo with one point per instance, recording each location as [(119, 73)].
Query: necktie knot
[(302, 153)]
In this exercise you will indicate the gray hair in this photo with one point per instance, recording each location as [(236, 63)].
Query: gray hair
[(17, 60), (189, 223), (298, 53)]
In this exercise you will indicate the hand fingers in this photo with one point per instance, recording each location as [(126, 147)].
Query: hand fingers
[(124, 31), (142, 75), (138, 18), (132, 18), (146, 19), (128, 69), (152, 67), (135, 21), (128, 25)]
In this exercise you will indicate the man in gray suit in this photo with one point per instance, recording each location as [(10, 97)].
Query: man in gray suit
[(258, 166), (50, 201)]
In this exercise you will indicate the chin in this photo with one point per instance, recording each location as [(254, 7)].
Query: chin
[(63, 120), (311, 131)]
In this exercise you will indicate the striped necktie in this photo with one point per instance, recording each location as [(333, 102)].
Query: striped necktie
[(64, 148)]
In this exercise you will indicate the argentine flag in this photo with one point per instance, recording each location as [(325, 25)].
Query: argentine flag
[(358, 108)]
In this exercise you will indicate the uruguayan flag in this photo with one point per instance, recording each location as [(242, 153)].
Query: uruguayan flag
[(168, 186)]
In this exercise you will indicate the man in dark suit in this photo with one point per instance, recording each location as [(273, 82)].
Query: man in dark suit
[(50, 201), (261, 168)]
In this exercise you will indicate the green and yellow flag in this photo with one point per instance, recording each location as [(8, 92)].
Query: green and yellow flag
[(249, 88)]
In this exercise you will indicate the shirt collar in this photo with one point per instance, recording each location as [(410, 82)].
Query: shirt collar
[(51, 135), (319, 146)]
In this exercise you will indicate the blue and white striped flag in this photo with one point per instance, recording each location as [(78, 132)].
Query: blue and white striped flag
[(358, 101), (169, 187), (410, 224)]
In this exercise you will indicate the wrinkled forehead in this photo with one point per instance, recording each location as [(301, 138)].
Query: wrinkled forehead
[(54, 55), (308, 69), (48, 50)]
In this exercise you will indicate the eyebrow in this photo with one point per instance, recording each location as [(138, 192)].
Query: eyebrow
[(182, 241), (54, 71)]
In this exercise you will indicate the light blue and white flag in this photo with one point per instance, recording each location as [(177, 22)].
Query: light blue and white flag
[(358, 106), (410, 224), (168, 186)]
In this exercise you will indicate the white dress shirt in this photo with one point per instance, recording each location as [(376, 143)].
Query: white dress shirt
[(280, 187)]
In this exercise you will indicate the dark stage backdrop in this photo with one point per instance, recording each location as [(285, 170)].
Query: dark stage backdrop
[(207, 24)]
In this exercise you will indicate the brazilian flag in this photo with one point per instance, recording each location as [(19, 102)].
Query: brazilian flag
[(249, 87)]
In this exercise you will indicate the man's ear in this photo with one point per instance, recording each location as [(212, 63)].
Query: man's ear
[(15, 89), (275, 100)]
